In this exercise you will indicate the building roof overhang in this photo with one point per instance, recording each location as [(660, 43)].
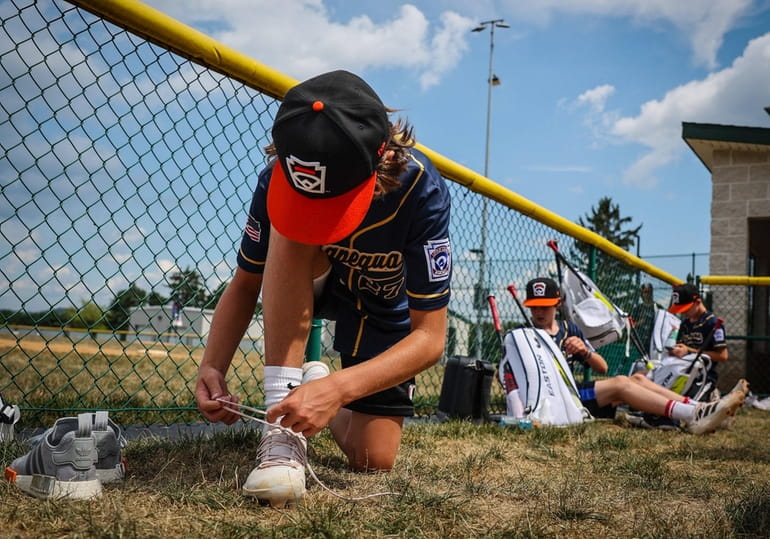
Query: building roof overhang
[(705, 139)]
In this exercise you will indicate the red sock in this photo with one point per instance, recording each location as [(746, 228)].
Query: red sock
[(669, 408)]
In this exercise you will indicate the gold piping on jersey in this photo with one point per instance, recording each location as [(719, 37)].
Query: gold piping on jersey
[(427, 296), (393, 215), (359, 334), (255, 262)]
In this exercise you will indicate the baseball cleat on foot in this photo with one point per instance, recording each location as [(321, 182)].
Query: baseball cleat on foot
[(710, 415), (279, 478), (742, 386)]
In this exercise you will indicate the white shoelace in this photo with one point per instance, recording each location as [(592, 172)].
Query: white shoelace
[(228, 406)]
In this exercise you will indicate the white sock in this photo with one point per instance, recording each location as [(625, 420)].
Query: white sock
[(278, 383), (314, 370), (680, 411)]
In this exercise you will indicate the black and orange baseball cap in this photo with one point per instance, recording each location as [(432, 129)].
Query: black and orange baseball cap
[(683, 297), (542, 292), (329, 133)]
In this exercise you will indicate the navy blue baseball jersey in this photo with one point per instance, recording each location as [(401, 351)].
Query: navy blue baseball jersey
[(567, 329), (399, 258), (694, 334)]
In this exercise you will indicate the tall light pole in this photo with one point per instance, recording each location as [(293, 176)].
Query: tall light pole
[(492, 80)]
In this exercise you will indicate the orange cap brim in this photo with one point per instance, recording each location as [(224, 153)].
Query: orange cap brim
[(677, 309), (316, 221), (541, 302)]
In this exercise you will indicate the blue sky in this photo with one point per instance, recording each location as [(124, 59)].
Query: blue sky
[(592, 98)]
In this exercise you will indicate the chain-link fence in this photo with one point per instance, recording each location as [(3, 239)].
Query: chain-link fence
[(746, 313), (126, 172)]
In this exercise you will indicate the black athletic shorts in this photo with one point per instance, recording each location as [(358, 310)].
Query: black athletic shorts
[(396, 401), (588, 398)]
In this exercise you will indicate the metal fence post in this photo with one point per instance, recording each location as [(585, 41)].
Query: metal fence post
[(313, 347)]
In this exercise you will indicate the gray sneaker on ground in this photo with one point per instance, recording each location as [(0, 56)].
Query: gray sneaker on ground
[(111, 466), (279, 478), (9, 416), (62, 464)]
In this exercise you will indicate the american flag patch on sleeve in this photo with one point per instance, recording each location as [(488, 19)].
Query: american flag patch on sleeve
[(253, 229)]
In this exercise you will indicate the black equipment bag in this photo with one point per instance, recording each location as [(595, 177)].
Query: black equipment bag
[(466, 388)]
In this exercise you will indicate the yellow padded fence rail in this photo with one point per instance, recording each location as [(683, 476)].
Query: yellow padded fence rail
[(169, 33)]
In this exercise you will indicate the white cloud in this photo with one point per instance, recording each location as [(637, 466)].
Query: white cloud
[(447, 47), (703, 22), (302, 38), (598, 119), (597, 97), (733, 96)]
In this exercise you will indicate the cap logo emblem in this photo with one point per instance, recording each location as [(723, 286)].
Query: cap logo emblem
[(675, 297), (538, 289), (307, 176)]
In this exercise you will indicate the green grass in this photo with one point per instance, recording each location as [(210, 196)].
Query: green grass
[(453, 479)]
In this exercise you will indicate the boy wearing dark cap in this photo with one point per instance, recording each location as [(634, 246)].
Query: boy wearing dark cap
[(348, 222), (696, 328), (601, 397), (696, 331)]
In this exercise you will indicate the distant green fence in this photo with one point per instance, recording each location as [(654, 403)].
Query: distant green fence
[(126, 170)]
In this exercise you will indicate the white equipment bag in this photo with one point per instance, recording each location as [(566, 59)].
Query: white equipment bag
[(686, 376), (601, 321), (664, 332), (538, 381)]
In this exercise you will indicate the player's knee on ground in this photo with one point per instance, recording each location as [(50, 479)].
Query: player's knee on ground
[(365, 460)]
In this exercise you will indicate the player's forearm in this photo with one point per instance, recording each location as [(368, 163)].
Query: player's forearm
[(596, 362), (719, 356), (232, 317)]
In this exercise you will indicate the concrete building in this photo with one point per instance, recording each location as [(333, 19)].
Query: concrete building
[(188, 325), (738, 159)]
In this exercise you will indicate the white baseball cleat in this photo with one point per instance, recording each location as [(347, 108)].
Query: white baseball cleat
[(279, 478), (710, 415)]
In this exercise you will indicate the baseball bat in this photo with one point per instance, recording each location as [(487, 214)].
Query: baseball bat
[(513, 403), (496, 320), (638, 344), (512, 290)]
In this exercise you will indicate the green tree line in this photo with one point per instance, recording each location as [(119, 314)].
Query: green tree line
[(186, 290)]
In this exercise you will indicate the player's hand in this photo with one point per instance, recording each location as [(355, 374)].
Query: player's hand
[(309, 407), (210, 386), (576, 347), (679, 350)]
